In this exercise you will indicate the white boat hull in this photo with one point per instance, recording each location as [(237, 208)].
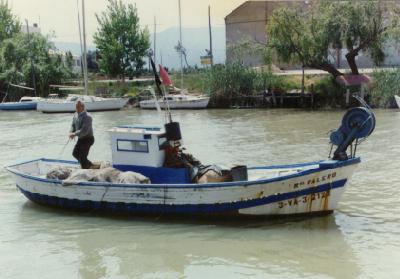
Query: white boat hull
[(63, 106), (200, 103), (397, 98), (298, 189)]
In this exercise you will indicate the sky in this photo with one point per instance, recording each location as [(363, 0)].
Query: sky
[(59, 17)]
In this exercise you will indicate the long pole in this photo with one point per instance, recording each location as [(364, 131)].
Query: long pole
[(180, 42), (80, 38), (85, 70), (31, 58), (209, 27), (155, 41)]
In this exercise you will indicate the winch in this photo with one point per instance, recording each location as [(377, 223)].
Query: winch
[(357, 124)]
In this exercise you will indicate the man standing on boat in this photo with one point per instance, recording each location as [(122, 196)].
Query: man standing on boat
[(82, 128)]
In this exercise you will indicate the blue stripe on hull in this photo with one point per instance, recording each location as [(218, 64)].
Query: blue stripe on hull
[(18, 106), (171, 209)]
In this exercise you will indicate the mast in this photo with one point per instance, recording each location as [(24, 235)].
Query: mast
[(180, 43), (155, 40), (31, 58), (209, 27), (85, 70), (80, 38)]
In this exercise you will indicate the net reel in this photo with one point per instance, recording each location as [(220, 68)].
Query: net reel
[(357, 124)]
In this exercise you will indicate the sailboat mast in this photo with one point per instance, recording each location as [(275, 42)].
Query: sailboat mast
[(84, 58), (155, 41), (209, 27), (31, 58), (180, 42), (80, 37)]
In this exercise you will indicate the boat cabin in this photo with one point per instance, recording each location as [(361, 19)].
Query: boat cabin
[(140, 149), (29, 99)]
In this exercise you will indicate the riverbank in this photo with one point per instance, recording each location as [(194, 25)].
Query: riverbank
[(236, 86)]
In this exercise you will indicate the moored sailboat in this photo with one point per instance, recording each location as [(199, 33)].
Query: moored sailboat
[(92, 103)]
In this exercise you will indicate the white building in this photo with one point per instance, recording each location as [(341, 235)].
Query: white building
[(32, 29)]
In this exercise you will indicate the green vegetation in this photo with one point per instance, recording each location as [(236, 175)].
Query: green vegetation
[(119, 89), (120, 40), (18, 53), (49, 67), (9, 24), (385, 85), (306, 36), (226, 83)]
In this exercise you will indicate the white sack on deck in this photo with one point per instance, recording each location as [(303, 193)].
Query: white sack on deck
[(59, 173), (131, 177), (109, 175)]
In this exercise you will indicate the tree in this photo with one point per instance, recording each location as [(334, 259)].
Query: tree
[(9, 25), (49, 65), (308, 35), (366, 26), (121, 41)]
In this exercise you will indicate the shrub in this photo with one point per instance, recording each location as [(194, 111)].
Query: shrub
[(386, 84)]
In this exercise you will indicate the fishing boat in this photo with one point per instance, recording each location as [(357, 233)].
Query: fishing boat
[(25, 103), (188, 187), (92, 103), (307, 188)]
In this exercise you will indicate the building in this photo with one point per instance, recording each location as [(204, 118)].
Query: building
[(32, 29), (247, 24), (76, 60)]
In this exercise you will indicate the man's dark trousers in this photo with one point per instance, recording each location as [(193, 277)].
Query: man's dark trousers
[(81, 151)]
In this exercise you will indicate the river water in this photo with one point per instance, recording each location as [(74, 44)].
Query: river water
[(360, 240)]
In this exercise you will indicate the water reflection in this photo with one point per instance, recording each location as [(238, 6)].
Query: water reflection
[(128, 247)]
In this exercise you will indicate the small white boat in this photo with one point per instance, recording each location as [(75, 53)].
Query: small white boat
[(91, 104), (25, 103), (178, 101), (308, 188), (397, 98), (176, 98)]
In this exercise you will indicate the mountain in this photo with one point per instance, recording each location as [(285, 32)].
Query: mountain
[(75, 48), (195, 40)]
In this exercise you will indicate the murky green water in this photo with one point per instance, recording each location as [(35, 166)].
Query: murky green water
[(360, 240)]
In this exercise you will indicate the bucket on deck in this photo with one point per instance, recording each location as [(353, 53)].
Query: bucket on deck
[(239, 173)]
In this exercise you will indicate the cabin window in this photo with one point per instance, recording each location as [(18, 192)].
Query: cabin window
[(133, 146)]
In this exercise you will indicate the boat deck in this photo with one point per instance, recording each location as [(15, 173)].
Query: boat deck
[(39, 169)]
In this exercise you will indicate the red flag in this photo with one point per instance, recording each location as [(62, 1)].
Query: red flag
[(164, 76)]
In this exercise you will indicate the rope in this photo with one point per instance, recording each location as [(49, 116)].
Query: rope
[(63, 149)]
